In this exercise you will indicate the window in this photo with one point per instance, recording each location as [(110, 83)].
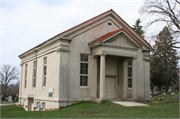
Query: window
[(109, 23), (84, 70), (45, 71), (25, 81), (34, 73), (50, 94), (129, 73)]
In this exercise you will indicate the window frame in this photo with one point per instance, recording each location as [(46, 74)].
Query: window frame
[(25, 76), (87, 75), (131, 66), (44, 64), (33, 77)]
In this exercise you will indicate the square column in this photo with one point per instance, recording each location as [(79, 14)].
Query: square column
[(134, 82), (102, 77), (125, 80)]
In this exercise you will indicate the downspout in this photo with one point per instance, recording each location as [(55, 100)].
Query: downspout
[(35, 78)]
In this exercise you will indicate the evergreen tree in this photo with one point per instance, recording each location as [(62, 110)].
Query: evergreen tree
[(138, 28), (164, 60)]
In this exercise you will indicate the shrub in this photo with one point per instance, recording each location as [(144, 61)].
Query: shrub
[(176, 88)]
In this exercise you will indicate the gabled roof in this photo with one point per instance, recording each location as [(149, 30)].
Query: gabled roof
[(85, 21), (100, 15), (112, 33), (78, 26)]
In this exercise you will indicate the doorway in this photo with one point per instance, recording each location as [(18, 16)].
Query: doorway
[(111, 75), (30, 104), (110, 87)]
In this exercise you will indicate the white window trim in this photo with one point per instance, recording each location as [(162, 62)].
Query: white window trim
[(84, 87), (129, 88), (25, 77), (43, 72), (33, 75)]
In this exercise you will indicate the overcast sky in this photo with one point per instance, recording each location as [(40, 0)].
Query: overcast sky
[(27, 23)]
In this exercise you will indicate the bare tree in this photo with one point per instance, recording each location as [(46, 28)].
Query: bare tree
[(15, 89), (7, 74), (167, 11)]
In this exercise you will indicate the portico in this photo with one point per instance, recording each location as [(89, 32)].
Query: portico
[(112, 69)]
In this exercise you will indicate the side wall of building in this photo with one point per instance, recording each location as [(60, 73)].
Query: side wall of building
[(52, 78)]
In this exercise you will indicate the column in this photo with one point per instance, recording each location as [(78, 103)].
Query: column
[(125, 84), (134, 77), (94, 79), (102, 77)]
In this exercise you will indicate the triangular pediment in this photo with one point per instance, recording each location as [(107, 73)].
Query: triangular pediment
[(118, 37), (121, 40)]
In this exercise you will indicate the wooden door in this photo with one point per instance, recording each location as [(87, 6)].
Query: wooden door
[(30, 104), (111, 75), (110, 86)]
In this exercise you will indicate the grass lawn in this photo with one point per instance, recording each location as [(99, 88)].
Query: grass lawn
[(168, 108)]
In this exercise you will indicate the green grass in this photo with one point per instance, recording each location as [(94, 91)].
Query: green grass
[(168, 108)]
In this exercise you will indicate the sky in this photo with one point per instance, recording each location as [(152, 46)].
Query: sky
[(27, 23)]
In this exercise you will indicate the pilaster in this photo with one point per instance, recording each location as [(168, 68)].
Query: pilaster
[(147, 79), (63, 68), (94, 79), (20, 84)]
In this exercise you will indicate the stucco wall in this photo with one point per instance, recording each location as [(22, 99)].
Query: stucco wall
[(78, 45), (52, 77)]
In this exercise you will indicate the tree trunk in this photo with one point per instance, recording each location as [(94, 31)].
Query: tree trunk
[(5, 91)]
